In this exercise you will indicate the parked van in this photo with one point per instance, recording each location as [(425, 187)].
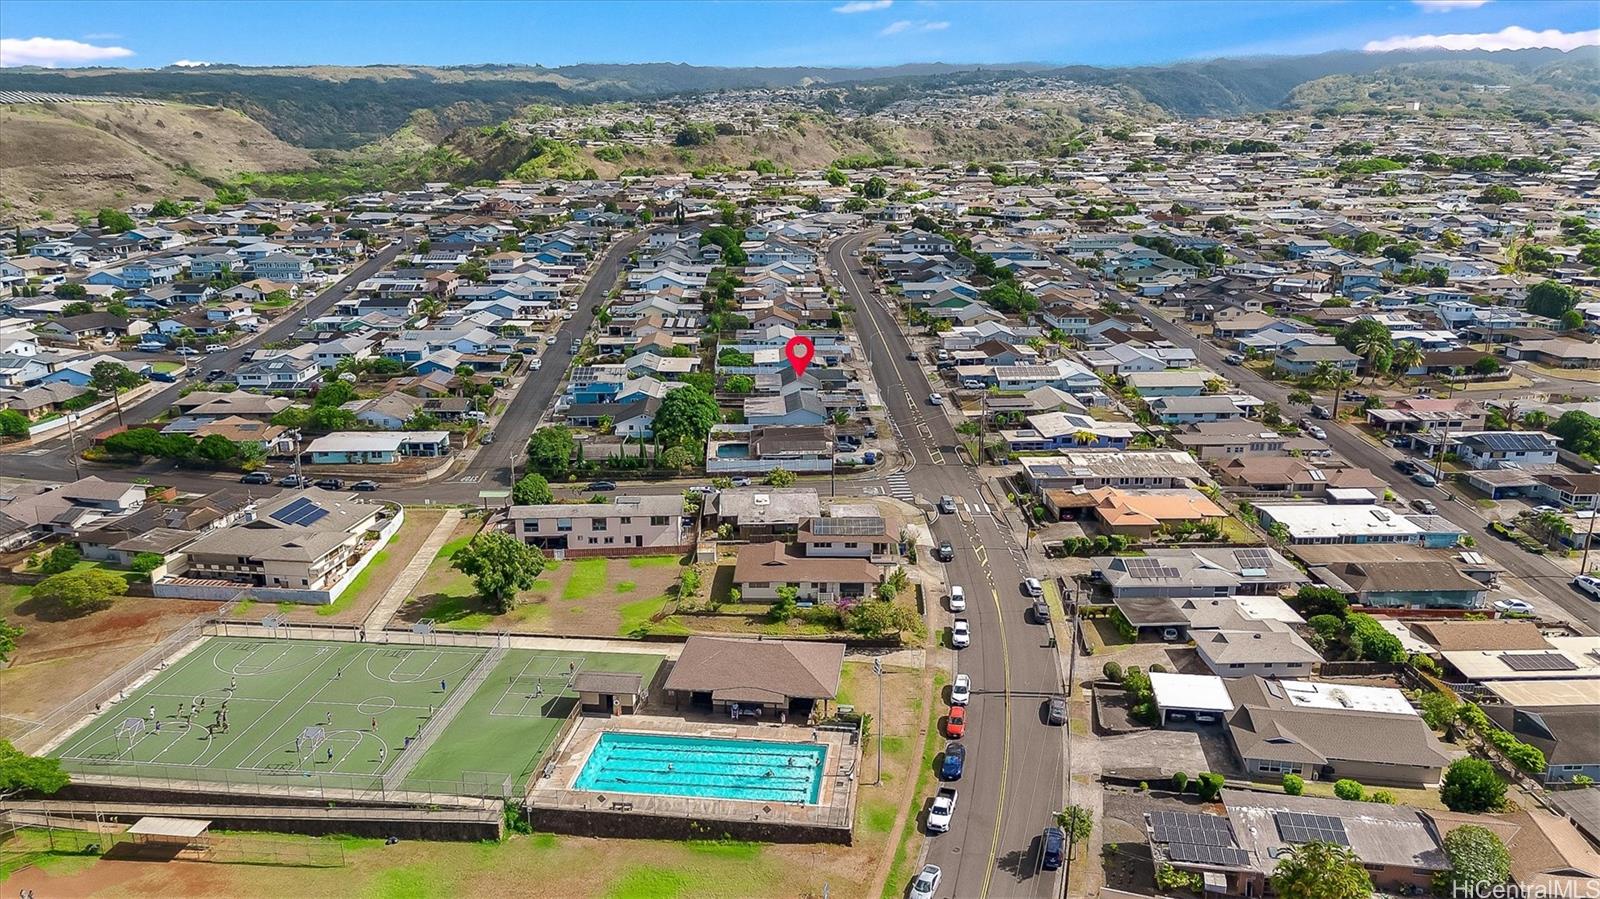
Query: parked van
[(1321, 412)]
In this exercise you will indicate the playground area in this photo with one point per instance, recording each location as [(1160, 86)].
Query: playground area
[(456, 719)]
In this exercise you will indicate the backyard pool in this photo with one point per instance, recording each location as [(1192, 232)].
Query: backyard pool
[(733, 451), (666, 765)]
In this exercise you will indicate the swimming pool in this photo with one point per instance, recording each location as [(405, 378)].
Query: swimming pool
[(666, 765)]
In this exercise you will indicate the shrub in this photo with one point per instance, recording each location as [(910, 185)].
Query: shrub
[(144, 563), (1180, 781), (1471, 785), (1113, 672), (1144, 786), (1348, 789), (1383, 797), (1209, 786), (60, 559), (1158, 668), (1294, 784)]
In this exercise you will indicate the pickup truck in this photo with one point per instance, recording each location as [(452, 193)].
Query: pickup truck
[(944, 805)]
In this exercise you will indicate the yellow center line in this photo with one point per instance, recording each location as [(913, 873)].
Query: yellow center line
[(1005, 757)]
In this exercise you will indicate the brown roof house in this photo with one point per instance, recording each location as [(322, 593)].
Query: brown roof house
[(762, 568), (1273, 736), (756, 676)]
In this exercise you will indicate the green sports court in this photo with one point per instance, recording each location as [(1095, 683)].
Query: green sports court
[(355, 715)]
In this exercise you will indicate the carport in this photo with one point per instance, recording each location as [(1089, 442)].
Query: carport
[(1201, 698)]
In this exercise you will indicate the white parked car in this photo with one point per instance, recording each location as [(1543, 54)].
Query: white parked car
[(1032, 587), (926, 882), (1513, 606), (935, 399), (942, 810), (958, 599), (1588, 583), (961, 690), (961, 634)]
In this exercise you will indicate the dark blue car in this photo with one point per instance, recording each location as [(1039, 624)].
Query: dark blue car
[(955, 756)]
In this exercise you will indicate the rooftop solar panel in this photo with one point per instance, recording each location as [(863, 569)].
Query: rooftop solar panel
[(289, 513), (847, 527), (1148, 569), (1297, 827), (1538, 661), (1192, 853), (1186, 827)]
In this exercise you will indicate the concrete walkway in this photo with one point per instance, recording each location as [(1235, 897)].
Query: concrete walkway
[(396, 595)]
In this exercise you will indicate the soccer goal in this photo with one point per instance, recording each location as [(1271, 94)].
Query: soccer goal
[(309, 741), (128, 733)]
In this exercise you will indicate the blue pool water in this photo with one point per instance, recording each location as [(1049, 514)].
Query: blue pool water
[(665, 765), (733, 451)]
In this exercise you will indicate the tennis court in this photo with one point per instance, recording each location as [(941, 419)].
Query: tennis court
[(355, 715)]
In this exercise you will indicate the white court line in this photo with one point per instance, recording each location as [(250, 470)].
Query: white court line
[(262, 717)]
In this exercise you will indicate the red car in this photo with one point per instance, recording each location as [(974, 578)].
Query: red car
[(956, 724)]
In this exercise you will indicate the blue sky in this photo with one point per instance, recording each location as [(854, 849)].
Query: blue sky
[(737, 33)]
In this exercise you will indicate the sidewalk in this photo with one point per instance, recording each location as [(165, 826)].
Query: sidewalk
[(396, 595)]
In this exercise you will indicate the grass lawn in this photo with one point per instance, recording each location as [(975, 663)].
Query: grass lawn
[(636, 617), (1428, 799), (347, 596), (587, 578), (905, 854), (166, 367)]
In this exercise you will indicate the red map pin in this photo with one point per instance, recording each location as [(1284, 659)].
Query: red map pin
[(800, 351)]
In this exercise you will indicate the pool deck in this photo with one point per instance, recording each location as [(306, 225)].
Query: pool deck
[(835, 807)]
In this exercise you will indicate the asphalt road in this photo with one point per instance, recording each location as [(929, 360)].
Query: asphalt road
[(1013, 780), (492, 466), (1538, 573)]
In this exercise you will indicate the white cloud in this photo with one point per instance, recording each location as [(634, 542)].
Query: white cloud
[(855, 6), (909, 26), (53, 52), (1510, 38), (102, 36), (1448, 5), (190, 63)]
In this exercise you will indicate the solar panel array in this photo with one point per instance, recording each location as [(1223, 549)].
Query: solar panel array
[(857, 526), (1252, 558), (1227, 856), (1187, 827), (1538, 661), (1514, 442), (1297, 827), (1148, 569), (300, 512)]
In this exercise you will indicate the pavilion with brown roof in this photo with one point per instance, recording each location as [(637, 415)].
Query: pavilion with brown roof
[(758, 678)]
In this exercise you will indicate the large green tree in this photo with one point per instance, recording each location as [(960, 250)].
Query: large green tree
[(1371, 341), (113, 378), (1321, 870), (531, 490), (550, 449), (1551, 298), (22, 773), (685, 417), (1477, 860), (1471, 785), (114, 221), (500, 565), (80, 592)]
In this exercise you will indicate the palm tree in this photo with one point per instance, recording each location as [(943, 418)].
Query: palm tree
[(1322, 374), (1406, 357), (1085, 437), (1511, 416), (1368, 345), (1337, 383), (1537, 419)]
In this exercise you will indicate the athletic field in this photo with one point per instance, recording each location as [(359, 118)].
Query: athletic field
[(342, 715)]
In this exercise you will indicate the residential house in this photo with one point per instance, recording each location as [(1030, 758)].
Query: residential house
[(628, 525), (761, 569)]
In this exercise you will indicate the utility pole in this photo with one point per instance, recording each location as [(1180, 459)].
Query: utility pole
[(1583, 567), (72, 435)]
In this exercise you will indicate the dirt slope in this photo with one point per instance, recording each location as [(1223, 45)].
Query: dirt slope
[(65, 157)]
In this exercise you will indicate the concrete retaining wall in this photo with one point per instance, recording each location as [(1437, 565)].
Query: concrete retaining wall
[(634, 825)]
